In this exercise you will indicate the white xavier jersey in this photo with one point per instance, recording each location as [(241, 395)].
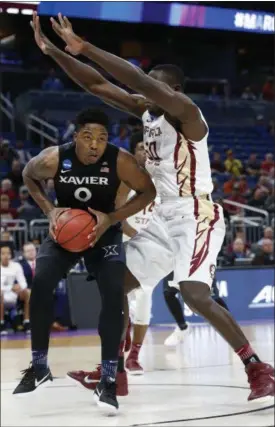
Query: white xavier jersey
[(179, 167), (140, 219)]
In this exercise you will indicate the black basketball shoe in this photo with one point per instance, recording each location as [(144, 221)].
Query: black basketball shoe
[(105, 397), (32, 380), (27, 327)]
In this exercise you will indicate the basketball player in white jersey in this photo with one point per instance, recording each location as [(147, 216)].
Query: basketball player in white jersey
[(140, 300), (187, 229)]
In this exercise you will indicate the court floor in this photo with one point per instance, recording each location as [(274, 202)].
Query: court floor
[(201, 383)]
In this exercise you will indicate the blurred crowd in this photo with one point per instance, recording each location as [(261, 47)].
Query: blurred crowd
[(53, 82), (236, 183)]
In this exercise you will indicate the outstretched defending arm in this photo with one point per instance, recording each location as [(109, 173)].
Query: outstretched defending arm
[(87, 77), (175, 103)]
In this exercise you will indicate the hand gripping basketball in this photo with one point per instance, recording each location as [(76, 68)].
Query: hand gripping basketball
[(74, 226), (103, 222), (52, 216)]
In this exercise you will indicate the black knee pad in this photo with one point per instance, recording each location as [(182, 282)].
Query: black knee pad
[(170, 292)]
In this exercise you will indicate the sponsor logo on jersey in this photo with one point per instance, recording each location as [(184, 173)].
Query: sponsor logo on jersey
[(80, 180), (67, 164), (264, 299)]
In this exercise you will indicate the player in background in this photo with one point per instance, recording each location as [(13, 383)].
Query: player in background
[(189, 229), (140, 301)]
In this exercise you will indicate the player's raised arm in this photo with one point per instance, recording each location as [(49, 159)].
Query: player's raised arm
[(87, 77), (166, 97), (37, 170)]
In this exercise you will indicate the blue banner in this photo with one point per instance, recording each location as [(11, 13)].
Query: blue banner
[(175, 14), (221, 19), (249, 294)]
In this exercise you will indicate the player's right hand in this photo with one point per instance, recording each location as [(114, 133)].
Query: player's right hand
[(64, 30), (41, 40), (52, 216)]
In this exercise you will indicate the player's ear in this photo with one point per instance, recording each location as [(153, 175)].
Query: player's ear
[(75, 136)]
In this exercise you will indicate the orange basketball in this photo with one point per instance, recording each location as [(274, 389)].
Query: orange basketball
[(73, 229)]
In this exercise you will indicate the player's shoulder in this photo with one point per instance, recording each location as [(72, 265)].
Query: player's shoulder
[(66, 147), (125, 156), (15, 266), (48, 157), (48, 153)]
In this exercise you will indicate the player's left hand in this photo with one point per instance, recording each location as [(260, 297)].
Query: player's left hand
[(102, 225), (41, 40), (64, 29)]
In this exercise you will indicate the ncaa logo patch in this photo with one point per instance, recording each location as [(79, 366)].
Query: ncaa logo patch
[(212, 270), (67, 164)]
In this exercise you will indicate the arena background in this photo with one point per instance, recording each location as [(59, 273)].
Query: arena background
[(227, 54)]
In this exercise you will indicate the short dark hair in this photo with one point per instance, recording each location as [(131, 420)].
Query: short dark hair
[(136, 138), (4, 245), (174, 73), (91, 116)]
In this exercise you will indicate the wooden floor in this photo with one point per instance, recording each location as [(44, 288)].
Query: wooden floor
[(202, 383)]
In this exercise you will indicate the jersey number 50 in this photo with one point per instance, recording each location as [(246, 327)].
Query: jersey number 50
[(83, 194), (151, 151)]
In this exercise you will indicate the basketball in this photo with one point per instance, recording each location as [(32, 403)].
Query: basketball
[(73, 228)]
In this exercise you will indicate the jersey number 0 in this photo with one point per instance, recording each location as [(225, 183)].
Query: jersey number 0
[(83, 194)]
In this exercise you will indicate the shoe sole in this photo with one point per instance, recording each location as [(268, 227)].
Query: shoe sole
[(263, 399), (174, 345), (35, 391), (187, 331), (108, 410), (134, 373)]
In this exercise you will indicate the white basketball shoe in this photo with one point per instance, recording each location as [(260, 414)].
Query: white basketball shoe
[(176, 337)]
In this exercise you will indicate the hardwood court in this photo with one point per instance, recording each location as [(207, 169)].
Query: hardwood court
[(200, 383)]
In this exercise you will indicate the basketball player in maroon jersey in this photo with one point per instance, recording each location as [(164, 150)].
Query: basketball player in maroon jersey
[(180, 133)]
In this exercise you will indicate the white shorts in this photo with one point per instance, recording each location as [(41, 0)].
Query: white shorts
[(10, 299), (184, 236)]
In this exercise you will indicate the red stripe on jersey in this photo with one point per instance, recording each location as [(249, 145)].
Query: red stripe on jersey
[(198, 258), (179, 167), (193, 169)]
